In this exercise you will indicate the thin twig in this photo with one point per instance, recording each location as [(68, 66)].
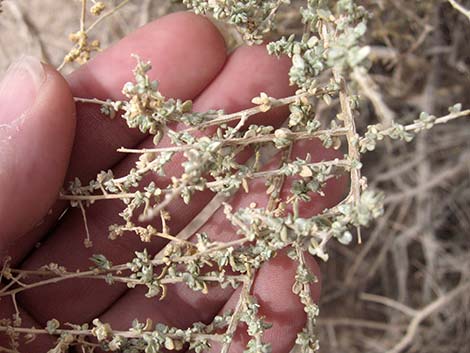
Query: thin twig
[(106, 15), (422, 314), (460, 8), (390, 303)]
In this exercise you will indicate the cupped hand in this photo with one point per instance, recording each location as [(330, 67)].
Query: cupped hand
[(46, 140)]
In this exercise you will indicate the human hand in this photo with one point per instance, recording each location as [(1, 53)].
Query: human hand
[(43, 142)]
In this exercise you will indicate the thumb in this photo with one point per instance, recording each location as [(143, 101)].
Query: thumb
[(37, 123)]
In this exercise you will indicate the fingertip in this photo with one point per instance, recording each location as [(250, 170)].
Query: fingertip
[(249, 71), (53, 128), (35, 153), (58, 96), (186, 51), (276, 278), (279, 306), (272, 72), (196, 44)]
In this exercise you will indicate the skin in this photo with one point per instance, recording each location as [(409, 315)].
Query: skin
[(190, 62)]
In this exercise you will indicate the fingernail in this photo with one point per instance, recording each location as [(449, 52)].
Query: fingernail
[(19, 88)]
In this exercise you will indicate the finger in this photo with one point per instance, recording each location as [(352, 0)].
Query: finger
[(42, 343), (183, 306), (251, 71), (279, 306), (66, 245), (37, 123), (187, 52)]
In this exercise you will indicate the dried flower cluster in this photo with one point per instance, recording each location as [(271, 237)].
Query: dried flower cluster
[(326, 62)]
